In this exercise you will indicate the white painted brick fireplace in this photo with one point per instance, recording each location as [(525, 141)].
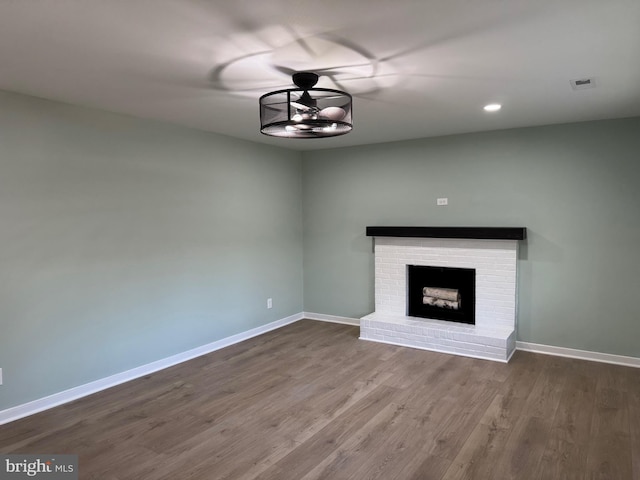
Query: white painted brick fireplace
[(495, 262)]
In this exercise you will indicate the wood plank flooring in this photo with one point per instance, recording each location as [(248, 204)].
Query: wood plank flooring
[(311, 401)]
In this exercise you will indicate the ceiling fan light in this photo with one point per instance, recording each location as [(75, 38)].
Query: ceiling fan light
[(306, 112)]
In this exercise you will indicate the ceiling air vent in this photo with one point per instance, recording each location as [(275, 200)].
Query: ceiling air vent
[(582, 83)]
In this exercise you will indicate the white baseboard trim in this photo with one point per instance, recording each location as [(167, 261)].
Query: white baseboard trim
[(579, 354), (45, 403), (41, 404), (331, 318)]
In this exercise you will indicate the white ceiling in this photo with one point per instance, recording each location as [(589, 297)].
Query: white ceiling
[(416, 68)]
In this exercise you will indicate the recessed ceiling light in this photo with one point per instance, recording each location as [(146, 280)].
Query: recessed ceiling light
[(492, 107)]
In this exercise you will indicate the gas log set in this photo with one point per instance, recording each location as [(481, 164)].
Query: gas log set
[(448, 298)]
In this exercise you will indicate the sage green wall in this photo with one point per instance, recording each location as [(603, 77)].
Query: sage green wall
[(124, 241), (575, 187)]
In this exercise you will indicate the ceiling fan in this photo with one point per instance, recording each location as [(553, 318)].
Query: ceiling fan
[(306, 111)]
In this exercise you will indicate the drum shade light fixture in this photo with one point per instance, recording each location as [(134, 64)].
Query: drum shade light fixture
[(305, 112)]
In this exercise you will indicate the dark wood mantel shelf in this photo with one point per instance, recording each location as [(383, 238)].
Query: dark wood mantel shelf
[(483, 233)]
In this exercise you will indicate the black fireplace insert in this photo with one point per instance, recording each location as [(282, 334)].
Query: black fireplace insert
[(442, 293)]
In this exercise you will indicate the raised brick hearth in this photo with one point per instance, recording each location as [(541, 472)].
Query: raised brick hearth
[(495, 262)]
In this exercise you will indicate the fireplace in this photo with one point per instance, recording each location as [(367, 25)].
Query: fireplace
[(488, 255), (443, 293)]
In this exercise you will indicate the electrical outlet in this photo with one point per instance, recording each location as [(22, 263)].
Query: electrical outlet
[(442, 201), (269, 303)]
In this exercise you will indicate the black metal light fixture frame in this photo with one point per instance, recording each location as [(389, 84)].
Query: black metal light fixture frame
[(306, 112)]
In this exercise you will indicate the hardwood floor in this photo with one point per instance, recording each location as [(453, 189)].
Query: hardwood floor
[(311, 401)]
